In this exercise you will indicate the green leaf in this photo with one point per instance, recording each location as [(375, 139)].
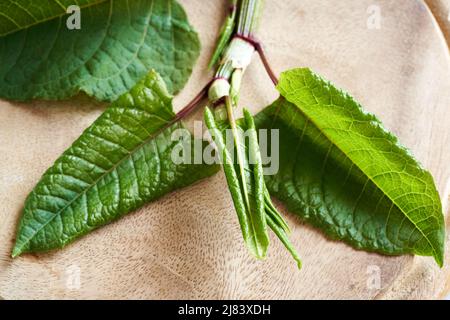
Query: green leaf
[(225, 34), (343, 173), (245, 182), (122, 161), (118, 43), (16, 15), (283, 235), (272, 216)]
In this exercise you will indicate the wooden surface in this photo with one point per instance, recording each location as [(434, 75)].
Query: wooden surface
[(441, 11), (188, 244)]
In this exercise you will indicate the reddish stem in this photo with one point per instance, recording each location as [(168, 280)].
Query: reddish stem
[(259, 48), (266, 63), (192, 106)]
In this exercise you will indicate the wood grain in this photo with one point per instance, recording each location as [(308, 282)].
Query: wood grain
[(441, 12), (188, 245)]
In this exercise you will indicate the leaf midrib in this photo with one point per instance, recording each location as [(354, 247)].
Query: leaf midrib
[(18, 250), (47, 19), (83, 65), (369, 177), (131, 60)]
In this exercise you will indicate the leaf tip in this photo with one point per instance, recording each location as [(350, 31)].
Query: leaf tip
[(17, 251), (439, 258), (259, 250), (261, 253), (439, 249), (246, 113)]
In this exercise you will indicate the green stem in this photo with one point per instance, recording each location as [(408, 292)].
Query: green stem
[(255, 210), (237, 55), (238, 144), (249, 17)]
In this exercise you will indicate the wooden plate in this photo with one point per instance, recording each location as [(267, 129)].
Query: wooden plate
[(188, 244)]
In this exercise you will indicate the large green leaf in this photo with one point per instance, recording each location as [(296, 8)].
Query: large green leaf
[(118, 43), (123, 160), (16, 15), (342, 172)]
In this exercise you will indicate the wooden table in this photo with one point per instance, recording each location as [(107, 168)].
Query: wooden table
[(188, 244)]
